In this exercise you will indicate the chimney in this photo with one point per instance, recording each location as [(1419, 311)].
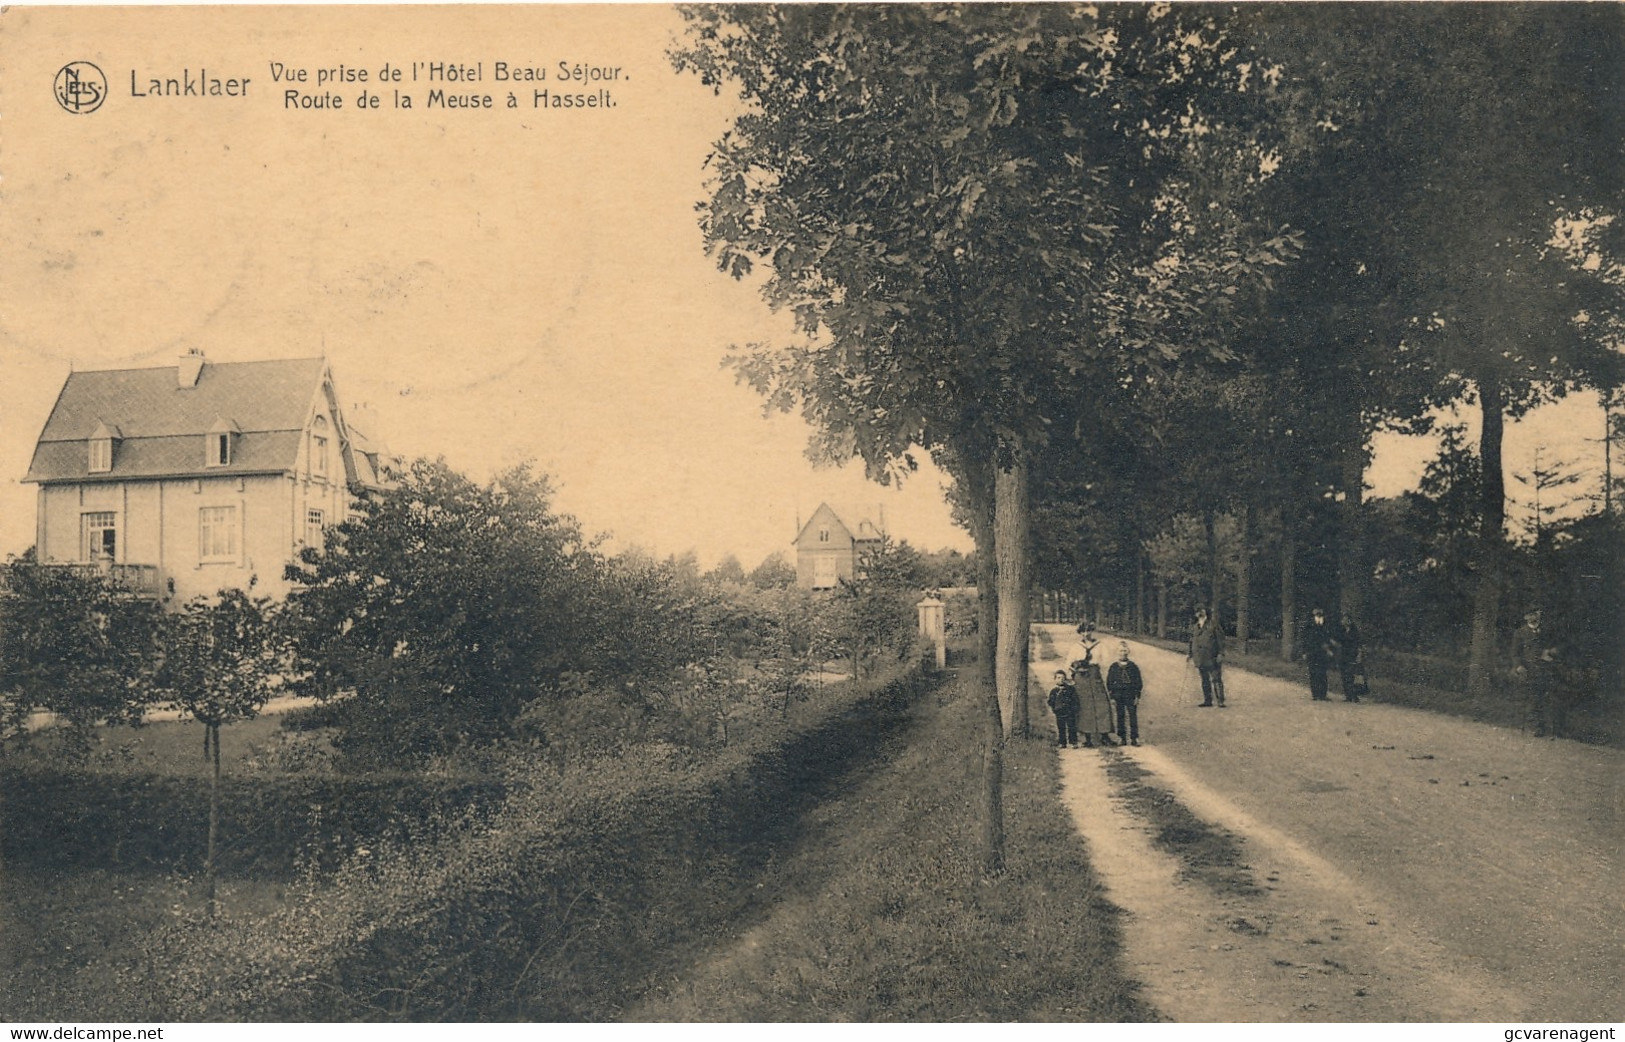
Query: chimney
[(359, 417), (191, 366)]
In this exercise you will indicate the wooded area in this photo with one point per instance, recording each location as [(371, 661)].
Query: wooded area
[(1146, 280)]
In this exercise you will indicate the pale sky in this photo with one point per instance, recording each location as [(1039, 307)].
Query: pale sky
[(498, 286)]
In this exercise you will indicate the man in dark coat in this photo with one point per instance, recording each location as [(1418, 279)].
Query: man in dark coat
[(1533, 657), (1319, 651), (1349, 664), (1124, 684), (1207, 652), (1063, 702)]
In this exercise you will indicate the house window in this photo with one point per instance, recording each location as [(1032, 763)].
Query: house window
[(217, 534), (99, 534), (101, 455), (823, 535), (824, 572), (318, 447), (220, 449), (313, 529)]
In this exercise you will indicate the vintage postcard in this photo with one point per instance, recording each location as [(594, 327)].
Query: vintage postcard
[(608, 513)]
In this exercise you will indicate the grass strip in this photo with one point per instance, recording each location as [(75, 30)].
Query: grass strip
[(880, 912)]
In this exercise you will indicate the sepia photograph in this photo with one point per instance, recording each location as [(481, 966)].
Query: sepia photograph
[(720, 514)]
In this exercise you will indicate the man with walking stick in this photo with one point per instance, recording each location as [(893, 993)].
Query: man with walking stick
[(1207, 652)]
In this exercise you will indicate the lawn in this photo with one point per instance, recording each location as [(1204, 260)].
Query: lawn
[(72, 924)]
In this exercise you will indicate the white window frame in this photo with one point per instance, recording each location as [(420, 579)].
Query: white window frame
[(213, 523), (315, 522), (101, 455), (97, 521), (219, 449)]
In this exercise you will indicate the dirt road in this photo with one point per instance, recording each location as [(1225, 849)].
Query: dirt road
[(1282, 859)]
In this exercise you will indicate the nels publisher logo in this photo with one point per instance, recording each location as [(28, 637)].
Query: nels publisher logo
[(80, 88)]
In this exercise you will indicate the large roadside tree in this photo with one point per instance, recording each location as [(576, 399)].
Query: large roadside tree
[(975, 212)]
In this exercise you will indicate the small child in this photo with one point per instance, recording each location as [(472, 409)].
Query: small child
[(1124, 684), (1063, 701)]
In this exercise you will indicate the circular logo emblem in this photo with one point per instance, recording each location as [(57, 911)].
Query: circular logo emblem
[(80, 87)]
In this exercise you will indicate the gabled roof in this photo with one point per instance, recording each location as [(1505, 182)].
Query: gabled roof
[(824, 511), (372, 460), (161, 424)]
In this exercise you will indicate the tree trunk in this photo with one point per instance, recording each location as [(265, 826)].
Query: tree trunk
[(1215, 570), (1010, 540), (1244, 577), (1140, 606), (209, 868), (1352, 578), (1162, 610), (1289, 584), (1491, 537), (987, 621)]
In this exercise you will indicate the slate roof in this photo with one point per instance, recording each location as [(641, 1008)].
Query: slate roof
[(162, 424)]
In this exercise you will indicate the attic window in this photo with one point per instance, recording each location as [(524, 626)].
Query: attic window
[(823, 535), (101, 455), (101, 448), (219, 446), (318, 447)]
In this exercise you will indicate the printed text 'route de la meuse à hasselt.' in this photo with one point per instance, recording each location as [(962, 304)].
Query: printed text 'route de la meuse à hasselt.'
[(450, 84)]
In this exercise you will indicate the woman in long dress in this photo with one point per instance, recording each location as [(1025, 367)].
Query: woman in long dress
[(1094, 707)]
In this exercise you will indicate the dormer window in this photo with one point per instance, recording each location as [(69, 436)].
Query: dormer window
[(318, 447), (101, 448), (221, 444)]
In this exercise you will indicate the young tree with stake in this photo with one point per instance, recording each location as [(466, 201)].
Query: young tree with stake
[(218, 666)]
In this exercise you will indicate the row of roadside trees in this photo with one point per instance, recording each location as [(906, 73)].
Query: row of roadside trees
[(1117, 267)]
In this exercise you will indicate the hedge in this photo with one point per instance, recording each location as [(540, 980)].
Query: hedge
[(560, 907), (67, 821)]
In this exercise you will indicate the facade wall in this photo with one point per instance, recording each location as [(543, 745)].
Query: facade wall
[(159, 523), (810, 576), (823, 551), (261, 539)]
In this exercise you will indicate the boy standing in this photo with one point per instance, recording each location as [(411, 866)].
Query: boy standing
[(1063, 702), (1124, 684)]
